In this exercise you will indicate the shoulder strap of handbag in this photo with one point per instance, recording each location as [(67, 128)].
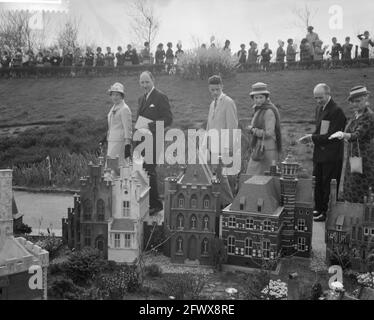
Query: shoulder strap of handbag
[(358, 149)]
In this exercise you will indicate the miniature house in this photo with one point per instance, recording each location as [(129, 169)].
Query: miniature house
[(17, 255), (192, 209), (350, 230), (108, 213), (271, 217)]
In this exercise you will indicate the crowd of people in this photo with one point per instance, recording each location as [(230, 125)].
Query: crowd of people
[(311, 52)]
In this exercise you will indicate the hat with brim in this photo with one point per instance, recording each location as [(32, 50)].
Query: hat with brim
[(117, 87), (259, 88), (358, 91)]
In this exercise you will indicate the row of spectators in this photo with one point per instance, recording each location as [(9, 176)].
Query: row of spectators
[(75, 57), (311, 52)]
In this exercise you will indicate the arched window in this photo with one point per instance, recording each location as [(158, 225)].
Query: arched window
[(193, 222), (231, 245), (193, 203), (180, 221), (206, 223), (205, 247), (180, 245), (87, 236), (87, 209), (248, 246), (206, 202), (100, 210), (181, 201)]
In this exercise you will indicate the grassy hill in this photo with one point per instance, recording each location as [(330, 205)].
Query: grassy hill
[(34, 100)]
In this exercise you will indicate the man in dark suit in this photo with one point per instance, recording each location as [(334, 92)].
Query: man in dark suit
[(153, 105), (328, 154)]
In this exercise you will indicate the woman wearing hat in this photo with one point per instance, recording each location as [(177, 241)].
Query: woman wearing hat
[(359, 134), (119, 125), (265, 131)]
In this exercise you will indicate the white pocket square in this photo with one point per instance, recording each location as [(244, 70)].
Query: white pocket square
[(152, 106)]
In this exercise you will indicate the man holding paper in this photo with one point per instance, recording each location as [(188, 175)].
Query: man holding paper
[(328, 154), (154, 106)]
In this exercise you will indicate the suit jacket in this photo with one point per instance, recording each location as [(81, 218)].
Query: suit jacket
[(325, 150), (156, 108), (119, 123)]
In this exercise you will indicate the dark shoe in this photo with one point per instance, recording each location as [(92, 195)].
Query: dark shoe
[(316, 213), (320, 218)]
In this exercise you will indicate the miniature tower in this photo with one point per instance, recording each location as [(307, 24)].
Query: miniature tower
[(288, 183), (6, 217)]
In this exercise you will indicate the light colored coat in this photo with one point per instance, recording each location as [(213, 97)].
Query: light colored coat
[(119, 130)]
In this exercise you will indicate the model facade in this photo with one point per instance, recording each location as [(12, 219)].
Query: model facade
[(109, 211), (18, 256)]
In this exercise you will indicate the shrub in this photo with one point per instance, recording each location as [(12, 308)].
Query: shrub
[(52, 245), (153, 270), (195, 63), (22, 229), (83, 266), (184, 286), (65, 289), (114, 286)]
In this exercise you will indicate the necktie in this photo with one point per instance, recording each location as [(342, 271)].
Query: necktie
[(215, 106)]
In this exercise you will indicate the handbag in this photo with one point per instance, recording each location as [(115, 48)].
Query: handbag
[(258, 153), (356, 162)]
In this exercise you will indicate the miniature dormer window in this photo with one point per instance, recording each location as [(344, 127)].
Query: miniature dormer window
[(194, 202), (180, 221), (260, 204), (180, 245), (206, 202), (100, 208), (193, 222), (180, 201), (126, 209), (242, 203), (206, 223), (87, 209)]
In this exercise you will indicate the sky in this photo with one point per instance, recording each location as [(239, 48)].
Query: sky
[(195, 21)]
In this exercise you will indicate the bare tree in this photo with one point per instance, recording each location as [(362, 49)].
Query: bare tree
[(144, 22), (15, 29), (68, 35), (304, 15)]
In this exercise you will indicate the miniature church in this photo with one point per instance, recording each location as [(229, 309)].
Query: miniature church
[(18, 256), (110, 209), (349, 232), (191, 214), (271, 217)]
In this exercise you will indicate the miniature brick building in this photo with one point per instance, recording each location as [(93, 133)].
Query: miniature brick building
[(271, 217), (350, 231), (16, 254), (109, 212), (192, 209)]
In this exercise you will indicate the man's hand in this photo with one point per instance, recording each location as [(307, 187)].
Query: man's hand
[(340, 135), (306, 139)]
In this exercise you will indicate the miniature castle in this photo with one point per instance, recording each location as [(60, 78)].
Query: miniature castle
[(16, 254), (271, 217), (109, 211), (191, 215), (350, 230)]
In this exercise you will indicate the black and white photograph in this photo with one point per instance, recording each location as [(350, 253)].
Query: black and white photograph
[(212, 152)]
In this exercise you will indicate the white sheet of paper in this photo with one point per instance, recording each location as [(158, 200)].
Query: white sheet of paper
[(142, 123)]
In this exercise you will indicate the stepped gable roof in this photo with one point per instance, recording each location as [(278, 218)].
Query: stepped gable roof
[(197, 174), (122, 225), (258, 190), (345, 214)]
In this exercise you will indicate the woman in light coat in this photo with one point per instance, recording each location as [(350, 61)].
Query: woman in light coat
[(265, 128), (119, 135)]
